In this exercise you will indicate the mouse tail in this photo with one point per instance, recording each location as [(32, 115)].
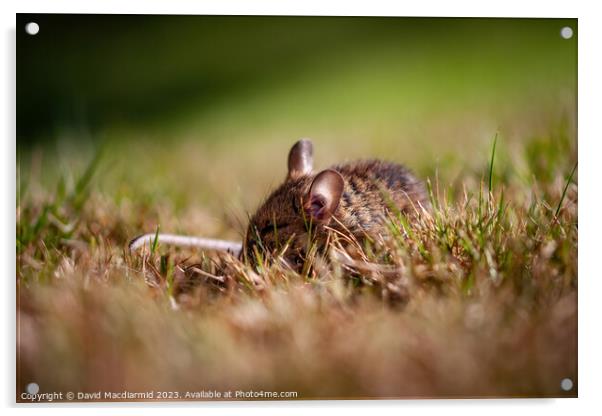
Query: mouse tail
[(233, 247)]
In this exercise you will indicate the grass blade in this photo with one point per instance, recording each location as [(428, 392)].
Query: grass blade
[(155, 241), (491, 163), (566, 187)]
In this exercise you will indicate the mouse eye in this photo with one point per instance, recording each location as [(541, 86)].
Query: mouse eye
[(296, 206), (271, 227)]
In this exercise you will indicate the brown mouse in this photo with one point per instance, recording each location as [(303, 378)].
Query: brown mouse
[(350, 199)]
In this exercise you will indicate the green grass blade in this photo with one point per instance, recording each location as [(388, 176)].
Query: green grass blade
[(566, 187), (491, 163), (80, 193), (155, 241)]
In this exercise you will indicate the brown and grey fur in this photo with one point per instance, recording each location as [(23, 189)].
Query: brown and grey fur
[(351, 198)]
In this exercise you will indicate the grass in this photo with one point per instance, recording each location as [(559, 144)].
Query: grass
[(478, 299)]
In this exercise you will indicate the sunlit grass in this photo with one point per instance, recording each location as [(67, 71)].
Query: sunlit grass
[(478, 298)]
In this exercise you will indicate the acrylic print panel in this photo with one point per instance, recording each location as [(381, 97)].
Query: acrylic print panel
[(446, 267)]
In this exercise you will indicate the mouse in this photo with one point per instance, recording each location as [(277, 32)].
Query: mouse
[(353, 199)]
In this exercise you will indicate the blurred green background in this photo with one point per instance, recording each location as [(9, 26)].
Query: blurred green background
[(93, 71), (202, 109)]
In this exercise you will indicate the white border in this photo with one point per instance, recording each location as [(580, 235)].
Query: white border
[(590, 137)]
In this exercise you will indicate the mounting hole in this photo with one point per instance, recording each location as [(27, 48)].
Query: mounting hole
[(566, 33), (32, 388), (566, 384), (32, 28)]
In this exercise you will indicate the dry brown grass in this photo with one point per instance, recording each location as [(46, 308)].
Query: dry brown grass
[(479, 299)]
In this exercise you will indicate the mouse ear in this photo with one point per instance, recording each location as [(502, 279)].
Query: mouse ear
[(324, 195), (300, 159)]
